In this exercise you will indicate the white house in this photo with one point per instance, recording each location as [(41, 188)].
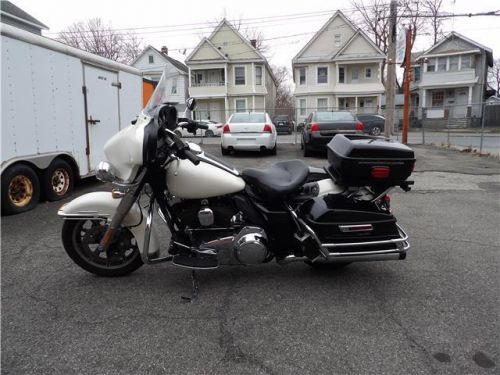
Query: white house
[(151, 63), (228, 74), (339, 68)]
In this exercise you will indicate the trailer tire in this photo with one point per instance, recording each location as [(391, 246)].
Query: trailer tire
[(57, 180), (20, 189)]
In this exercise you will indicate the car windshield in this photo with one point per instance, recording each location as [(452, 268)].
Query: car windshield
[(162, 93), (334, 116), (248, 118)]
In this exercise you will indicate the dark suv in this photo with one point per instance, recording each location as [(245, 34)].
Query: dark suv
[(374, 124), (321, 127), (282, 124)]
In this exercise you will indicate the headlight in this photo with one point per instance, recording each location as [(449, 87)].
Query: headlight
[(105, 172)]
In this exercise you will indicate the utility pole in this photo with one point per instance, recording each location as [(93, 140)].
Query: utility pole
[(391, 71), (406, 86)]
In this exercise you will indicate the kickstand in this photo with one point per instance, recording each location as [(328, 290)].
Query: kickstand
[(194, 290)]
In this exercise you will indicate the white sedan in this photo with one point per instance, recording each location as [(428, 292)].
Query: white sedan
[(252, 131), (214, 130)]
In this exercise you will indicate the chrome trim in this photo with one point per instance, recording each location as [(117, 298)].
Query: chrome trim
[(105, 172), (402, 239), (356, 228), (301, 222)]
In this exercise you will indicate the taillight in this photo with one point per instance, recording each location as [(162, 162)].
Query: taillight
[(360, 127), (226, 129), (380, 172), (267, 128), (314, 127)]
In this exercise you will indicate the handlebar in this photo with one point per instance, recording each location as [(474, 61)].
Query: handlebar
[(191, 156)]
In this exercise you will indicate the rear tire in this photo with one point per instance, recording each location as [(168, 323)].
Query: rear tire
[(307, 151), (273, 150), (80, 240), (376, 130), (209, 133), (20, 189), (58, 180), (224, 151), (327, 266)]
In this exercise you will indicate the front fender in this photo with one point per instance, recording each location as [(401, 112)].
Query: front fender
[(101, 204)]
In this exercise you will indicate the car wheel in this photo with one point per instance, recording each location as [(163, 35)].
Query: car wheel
[(209, 133), (224, 151), (307, 151), (20, 189), (58, 180), (274, 149), (375, 130)]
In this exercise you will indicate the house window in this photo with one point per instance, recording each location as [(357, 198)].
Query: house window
[(258, 75), (337, 40), (437, 98), (239, 75), (322, 104), (431, 65), (302, 107), (151, 59), (416, 70), (302, 76), (368, 72), (441, 64), (322, 75), (198, 78), (173, 90), (466, 63), (341, 75), (355, 74), (241, 105), (454, 63)]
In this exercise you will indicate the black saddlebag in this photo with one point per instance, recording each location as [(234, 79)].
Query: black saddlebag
[(363, 160), (338, 219)]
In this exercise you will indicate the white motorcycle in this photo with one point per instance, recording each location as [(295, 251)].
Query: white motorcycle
[(217, 215)]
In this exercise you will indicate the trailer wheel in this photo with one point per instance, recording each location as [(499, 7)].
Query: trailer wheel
[(58, 180), (20, 189)]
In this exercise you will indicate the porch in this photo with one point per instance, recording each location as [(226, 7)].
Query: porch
[(359, 104)]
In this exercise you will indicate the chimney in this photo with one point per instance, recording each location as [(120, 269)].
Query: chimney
[(253, 42), (164, 50)]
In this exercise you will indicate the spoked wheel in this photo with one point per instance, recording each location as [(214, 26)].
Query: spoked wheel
[(81, 240)]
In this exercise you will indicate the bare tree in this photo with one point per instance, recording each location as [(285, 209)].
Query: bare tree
[(96, 37), (494, 76), (433, 8), (285, 104)]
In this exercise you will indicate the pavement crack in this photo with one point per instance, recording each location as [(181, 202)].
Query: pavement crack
[(32, 295)]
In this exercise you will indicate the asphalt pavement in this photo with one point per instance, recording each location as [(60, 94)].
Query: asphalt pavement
[(437, 312)]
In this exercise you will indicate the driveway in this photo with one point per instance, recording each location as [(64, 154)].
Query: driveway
[(434, 313)]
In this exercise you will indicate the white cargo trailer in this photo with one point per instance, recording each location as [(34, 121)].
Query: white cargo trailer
[(59, 106)]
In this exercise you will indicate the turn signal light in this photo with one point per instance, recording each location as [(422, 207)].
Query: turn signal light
[(226, 129), (314, 127), (267, 128), (360, 127), (380, 172)]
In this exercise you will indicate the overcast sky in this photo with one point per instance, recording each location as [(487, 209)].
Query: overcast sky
[(290, 24)]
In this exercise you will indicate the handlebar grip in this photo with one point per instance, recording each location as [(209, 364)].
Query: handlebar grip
[(191, 156)]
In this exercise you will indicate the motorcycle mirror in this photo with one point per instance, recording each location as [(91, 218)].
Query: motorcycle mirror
[(191, 103)]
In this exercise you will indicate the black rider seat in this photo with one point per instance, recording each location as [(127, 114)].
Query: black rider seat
[(279, 179)]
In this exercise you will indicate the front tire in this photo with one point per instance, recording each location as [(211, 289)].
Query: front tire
[(20, 189), (58, 180), (81, 239)]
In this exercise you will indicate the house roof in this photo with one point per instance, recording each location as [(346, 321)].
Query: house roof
[(211, 45), (357, 31), (454, 34), (10, 9), (171, 60)]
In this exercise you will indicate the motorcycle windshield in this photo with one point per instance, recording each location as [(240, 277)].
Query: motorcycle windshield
[(165, 92)]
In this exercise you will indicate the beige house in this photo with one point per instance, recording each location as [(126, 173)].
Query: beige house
[(228, 74), (339, 68)]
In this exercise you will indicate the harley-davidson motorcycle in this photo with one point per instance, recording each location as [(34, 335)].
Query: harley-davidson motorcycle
[(217, 215)]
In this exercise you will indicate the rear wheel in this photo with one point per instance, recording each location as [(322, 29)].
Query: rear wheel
[(209, 133), (224, 151), (274, 149), (20, 189), (58, 180), (307, 150), (81, 240), (376, 130)]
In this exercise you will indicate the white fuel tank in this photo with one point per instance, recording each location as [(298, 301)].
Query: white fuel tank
[(188, 181)]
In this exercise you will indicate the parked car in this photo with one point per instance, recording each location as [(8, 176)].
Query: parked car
[(321, 126), (283, 124), (374, 123), (214, 129), (249, 131)]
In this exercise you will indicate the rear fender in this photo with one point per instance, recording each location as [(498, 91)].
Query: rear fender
[(102, 205)]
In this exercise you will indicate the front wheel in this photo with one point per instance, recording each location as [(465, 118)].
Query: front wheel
[(81, 240)]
